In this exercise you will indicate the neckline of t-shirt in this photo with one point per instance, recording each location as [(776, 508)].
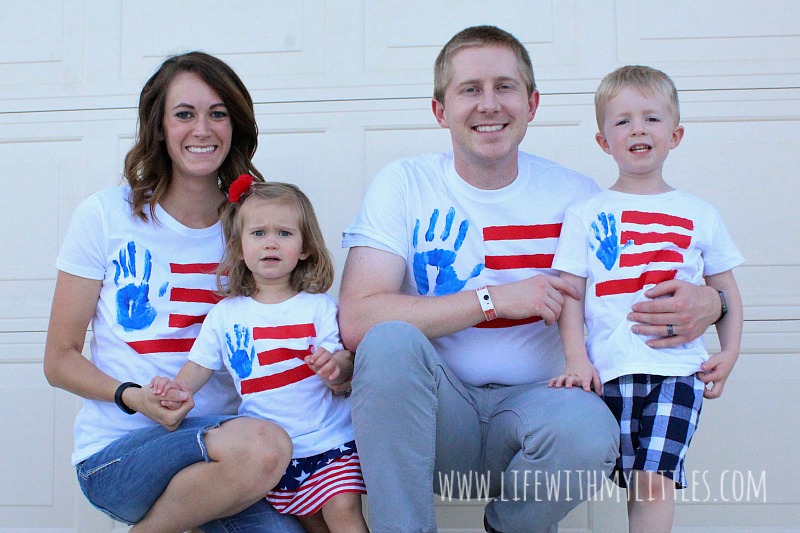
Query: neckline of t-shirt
[(167, 220), (659, 195), (488, 196)]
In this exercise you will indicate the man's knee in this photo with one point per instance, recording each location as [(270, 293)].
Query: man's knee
[(387, 347)]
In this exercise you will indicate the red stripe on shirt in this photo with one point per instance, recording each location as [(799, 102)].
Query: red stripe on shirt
[(276, 381), (162, 345), (184, 321), (679, 240), (292, 331), (507, 322), (642, 217), (281, 354), (508, 262), (626, 286), (205, 296), (506, 233), (193, 268), (645, 258)]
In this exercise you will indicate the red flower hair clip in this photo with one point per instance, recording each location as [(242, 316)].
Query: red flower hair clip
[(240, 186)]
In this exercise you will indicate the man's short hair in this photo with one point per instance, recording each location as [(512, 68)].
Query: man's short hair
[(479, 36)]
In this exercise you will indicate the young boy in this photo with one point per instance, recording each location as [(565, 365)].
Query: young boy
[(640, 232)]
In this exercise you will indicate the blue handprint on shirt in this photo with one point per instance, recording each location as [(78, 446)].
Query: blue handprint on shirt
[(447, 281), (134, 311), (241, 360), (609, 248)]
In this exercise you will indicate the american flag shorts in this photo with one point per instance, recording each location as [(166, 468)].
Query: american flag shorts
[(657, 417), (309, 482)]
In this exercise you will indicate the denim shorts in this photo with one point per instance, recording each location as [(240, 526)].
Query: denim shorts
[(125, 478)]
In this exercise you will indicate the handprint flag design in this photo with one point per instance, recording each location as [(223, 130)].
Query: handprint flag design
[(652, 239), (241, 353), (533, 246), (134, 311), (442, 259), (300, 335), (191, 295)]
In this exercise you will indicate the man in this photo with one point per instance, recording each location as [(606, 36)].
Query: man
[(449, 298)]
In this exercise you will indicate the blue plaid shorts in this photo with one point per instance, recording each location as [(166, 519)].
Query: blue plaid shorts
[(657, 417)]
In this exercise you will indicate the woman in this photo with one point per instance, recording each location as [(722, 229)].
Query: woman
[(138, 262)]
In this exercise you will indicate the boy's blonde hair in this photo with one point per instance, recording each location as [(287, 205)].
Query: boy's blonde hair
[(479, 36), (646, 80), (313, 274)]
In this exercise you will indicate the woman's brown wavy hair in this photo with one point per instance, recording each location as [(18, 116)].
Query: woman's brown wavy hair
[(148, 167)]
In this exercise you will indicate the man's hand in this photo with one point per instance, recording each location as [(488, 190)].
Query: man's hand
[(688, 308), (540, 295)]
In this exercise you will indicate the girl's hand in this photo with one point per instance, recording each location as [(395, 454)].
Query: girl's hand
[(336, 369), (581, 374), (159, 385), (324, 365)]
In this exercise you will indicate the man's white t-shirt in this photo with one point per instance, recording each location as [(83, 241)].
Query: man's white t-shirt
[(455, 237)]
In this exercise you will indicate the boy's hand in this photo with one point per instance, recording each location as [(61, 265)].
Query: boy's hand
[(716, 371), (581, 374)]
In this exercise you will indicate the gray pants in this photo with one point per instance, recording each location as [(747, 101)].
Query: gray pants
[(535, 452)]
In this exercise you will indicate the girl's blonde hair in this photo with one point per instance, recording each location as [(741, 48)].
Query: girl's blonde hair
[(313, 274)]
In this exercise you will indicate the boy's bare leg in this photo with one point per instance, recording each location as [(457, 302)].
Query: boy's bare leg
[(248, 457), (651, 503)]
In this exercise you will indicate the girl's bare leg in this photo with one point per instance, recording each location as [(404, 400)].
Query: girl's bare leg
[(343, 514)]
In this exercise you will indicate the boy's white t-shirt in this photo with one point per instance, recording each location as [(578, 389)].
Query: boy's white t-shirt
[(262, 346), (158, 285), (626, 243), (455, 237)]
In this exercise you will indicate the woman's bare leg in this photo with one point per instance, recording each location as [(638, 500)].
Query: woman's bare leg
[(248, 457)]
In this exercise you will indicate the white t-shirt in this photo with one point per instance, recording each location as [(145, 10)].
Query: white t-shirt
[(262, 346), (626, 243), (158, 282), (456, 237)]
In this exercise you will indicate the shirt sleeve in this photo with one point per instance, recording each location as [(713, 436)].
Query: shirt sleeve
[(381, 220), (723, 254), (83, 252), (327, 326), (571, 252), (208, 349)]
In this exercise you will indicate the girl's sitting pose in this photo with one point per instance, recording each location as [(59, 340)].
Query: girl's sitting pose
[(275, 334)]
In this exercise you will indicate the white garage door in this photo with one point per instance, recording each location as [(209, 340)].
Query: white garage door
[(342, 87)]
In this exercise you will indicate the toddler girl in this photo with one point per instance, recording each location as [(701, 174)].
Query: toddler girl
[(275, 334)]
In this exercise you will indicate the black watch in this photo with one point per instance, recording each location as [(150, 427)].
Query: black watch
[(118, 396)]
